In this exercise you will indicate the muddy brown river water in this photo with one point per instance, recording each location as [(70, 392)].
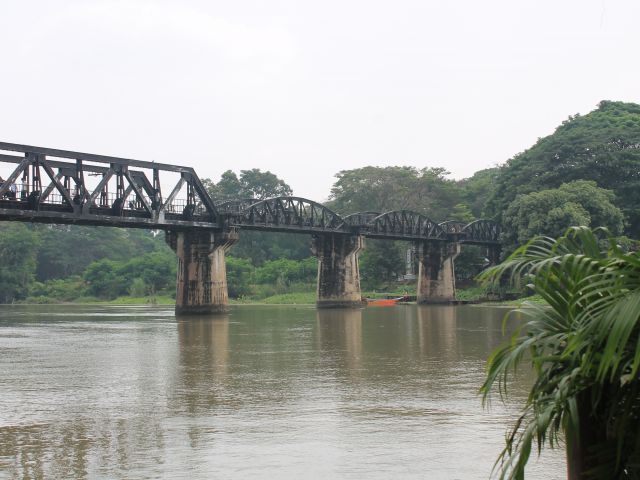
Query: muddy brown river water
[(263, 392)]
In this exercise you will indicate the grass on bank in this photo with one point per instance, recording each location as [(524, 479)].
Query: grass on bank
[(299, 294)]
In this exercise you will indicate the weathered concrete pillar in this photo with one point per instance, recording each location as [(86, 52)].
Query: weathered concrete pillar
[(436, 278), (338, 271), (201, 285), (493, 254)]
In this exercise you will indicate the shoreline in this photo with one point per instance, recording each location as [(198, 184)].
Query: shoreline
[(164, 303)]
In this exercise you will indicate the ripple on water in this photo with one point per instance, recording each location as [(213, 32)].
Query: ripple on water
[(129, 392)]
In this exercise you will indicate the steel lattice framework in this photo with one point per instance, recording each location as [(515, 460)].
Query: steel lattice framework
[(404, 225), (53, 186), (482, 232), (290, 213)]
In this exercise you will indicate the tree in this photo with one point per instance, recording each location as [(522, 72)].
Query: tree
[(603, 146), (66, 250), (258, 184), (583, 347), (378, 189), (477, 189), (381, 262), (229, 185), (239, 271), (109, 279), (260, 247), (252, 183), (551, 212), (18, 249)]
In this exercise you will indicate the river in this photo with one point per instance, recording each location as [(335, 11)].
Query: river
[(280, 392)]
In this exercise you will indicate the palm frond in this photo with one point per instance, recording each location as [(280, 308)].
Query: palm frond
[(584, 344)]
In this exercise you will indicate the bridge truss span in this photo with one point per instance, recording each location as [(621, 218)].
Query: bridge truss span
[(481, 232), (58, 186), (404, 225), (289, 214)]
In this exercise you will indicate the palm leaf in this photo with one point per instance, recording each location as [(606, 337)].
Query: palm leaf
[(585, 341)]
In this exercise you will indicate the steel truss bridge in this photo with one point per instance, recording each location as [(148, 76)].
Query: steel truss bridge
[(57, 186)]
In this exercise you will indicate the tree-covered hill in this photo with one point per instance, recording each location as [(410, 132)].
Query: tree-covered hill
[(602, 146)]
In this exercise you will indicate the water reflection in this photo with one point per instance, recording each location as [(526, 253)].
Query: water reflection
[(437, 331), (204, 343), (264, 391), (339, 336)]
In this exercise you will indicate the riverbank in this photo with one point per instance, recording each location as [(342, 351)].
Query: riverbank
[(297, 298)]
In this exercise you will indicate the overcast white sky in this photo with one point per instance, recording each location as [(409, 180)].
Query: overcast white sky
[(306, 89)]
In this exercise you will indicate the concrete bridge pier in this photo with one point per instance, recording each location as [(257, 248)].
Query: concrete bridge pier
[(436, 278), (338, 271), (201, 286), (493, 254)]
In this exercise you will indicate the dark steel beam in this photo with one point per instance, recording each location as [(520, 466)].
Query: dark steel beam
[(90, 157)]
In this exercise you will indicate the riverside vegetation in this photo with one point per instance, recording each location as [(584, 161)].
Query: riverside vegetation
[(584, 348), (586, 173)]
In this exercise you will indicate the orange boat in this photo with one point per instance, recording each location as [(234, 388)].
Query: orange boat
[(383, 302)]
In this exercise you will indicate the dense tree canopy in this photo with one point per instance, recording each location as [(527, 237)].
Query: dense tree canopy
[(477, 189), (383, 189), (18, 250), (551, 212), (252, 183), (67, 250), (603, 146)]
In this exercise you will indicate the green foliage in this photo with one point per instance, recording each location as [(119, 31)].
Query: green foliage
[(67, 250), (462, 213), (18, 250), (379, 189), (258, 184), (477, 189), (381, 262), (297, 298), (602, 146), (108, 279), (284, 271), (138, 288), (239, 272), (551, 212), (584, 347), (58, 290), (470, 262), (260, 247), (252, 183)]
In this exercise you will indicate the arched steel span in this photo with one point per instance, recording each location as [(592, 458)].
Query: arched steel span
[(482, 232), (404, 225), (360, 219), (235, 205), (453, 226), (290, 214)]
